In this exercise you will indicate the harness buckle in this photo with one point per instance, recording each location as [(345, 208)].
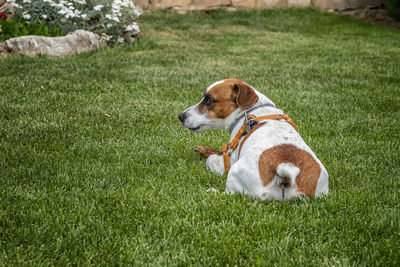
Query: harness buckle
[(250, 122)]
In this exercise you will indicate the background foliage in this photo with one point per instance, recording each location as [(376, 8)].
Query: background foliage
[(115, 20), (393, 8), (18, 27)]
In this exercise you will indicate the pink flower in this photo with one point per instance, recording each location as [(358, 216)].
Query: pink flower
[(3, 16)]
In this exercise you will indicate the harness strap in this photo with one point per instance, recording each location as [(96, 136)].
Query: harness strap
[(247, 112), (228, 148), (277, 117)]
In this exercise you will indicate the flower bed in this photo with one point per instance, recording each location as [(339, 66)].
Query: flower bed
[(115, 22)]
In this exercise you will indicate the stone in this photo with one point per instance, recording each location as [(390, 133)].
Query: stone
[(208, 4), (170, 4), (298, 3), (143, 4), (259, 3), (76, 42), (187, 5), (184, 5), (272, 3), (244, 3), (345, 4)]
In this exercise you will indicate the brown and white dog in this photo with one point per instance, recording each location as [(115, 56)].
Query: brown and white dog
[(273, 162)]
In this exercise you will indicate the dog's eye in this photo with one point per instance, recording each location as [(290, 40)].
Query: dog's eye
[(208, 100)]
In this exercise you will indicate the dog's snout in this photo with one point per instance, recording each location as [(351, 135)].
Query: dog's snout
[(182, 116)]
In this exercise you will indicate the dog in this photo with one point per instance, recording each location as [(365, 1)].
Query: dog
[(266, 157)]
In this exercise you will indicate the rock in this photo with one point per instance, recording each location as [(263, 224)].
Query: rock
[(144, 4), (259, 3), (298, 3), (244, 3), (170, 4), (184, 5), (188, 5), (76, 42), (208, 4), (345, 4), (272, 3)]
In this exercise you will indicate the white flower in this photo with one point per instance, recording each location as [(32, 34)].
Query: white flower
[(133, 28), (116, 8), (82, 2), (44, 16), (27, 1), (109, 25), (62, 11), (98, 7), (126, 3), (14, 4), (120, 40), (138, 11), (116, 11), (112, 17), (26, 16), (69, 14), (84, 16), (51, 2)]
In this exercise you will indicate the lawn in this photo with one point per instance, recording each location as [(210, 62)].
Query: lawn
[(95, 167)]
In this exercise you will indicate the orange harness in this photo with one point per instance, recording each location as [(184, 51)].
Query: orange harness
[(247, 129)]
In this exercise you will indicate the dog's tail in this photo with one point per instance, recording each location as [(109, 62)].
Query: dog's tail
[(287, 173)]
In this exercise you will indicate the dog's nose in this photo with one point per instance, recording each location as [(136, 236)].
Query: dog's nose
[(182, 116)]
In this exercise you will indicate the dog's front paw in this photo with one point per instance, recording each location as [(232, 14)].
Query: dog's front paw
[(216, 164)]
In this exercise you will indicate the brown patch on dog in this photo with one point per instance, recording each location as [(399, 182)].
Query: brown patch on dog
[(222, 94), (310, 170), (227, 96), (246, 96)]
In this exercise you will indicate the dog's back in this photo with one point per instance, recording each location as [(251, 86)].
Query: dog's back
[(282, 165)]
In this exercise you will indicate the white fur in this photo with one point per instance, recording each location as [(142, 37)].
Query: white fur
[(215, 164), (243, 176), (288, 170), (214, 84), (196, 119)]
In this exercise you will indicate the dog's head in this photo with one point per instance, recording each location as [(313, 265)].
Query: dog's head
[(221, 102)]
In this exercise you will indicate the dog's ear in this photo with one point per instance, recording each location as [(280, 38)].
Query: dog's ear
[(245, 95)]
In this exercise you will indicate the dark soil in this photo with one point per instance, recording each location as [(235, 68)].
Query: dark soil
[(376, 16)]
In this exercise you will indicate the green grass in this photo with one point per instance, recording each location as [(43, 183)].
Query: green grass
[(78, 187)]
